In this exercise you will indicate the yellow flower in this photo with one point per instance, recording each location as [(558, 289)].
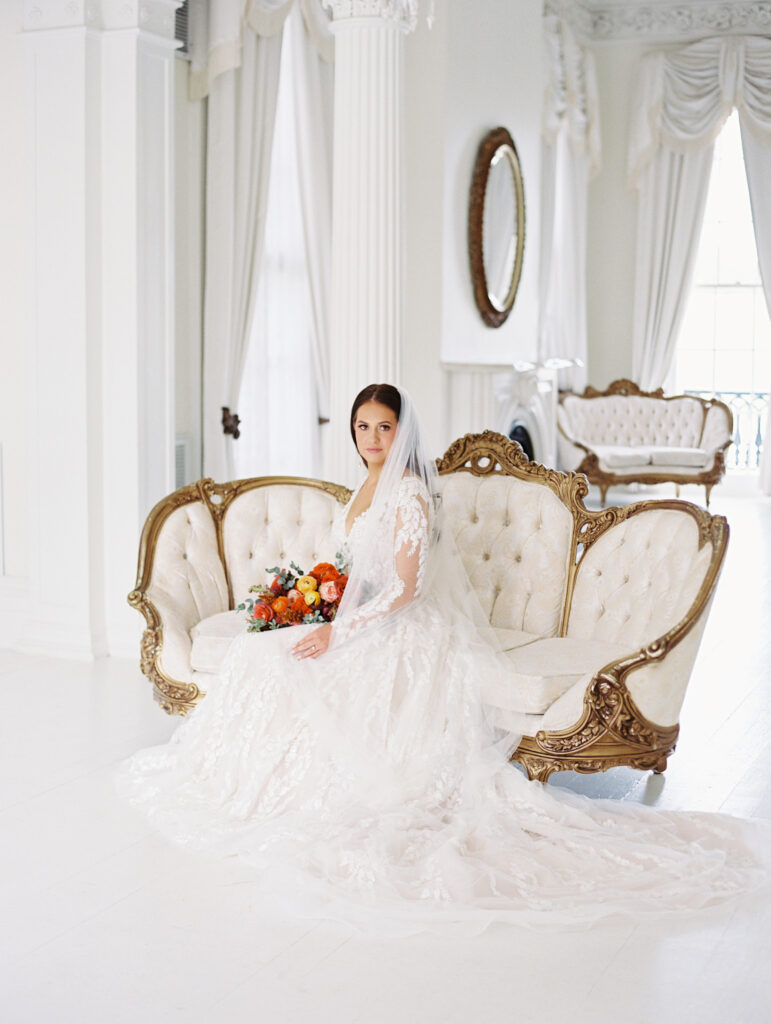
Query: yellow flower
[(306, 584), (312, 598)]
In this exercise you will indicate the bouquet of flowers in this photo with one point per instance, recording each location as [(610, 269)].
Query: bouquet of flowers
[(295, 597)]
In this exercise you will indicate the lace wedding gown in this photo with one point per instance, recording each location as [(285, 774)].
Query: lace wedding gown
[(368, 785)]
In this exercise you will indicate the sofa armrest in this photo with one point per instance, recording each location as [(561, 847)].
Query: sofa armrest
[(180, 580), (571, 450), (656, 678), (717, 432)]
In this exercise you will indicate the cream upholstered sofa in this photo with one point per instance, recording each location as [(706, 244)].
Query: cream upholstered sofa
[(626, 435), (600, 613)]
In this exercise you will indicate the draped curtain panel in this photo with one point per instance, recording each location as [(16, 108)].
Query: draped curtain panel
[(757, 160), (683, 99), (241, 117), (236, 59), (570, 156)]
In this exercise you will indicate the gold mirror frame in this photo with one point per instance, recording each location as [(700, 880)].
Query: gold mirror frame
[(494, 141)]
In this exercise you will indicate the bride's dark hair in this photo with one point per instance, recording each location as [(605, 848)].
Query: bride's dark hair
[(385, 394)]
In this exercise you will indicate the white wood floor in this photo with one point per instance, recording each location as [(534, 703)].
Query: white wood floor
[(102, 921)]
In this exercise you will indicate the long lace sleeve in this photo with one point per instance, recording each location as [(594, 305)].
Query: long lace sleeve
[(407, 549)]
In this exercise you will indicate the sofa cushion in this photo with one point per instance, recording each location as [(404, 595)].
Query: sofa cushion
[(211, 638), (543, 670), (639, 578), (620, 456), (508, 639), (272, 525), (673, 456), (632, 420), (514, 538)]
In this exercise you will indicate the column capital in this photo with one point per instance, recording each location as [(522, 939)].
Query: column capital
[(403, 12), (155, 17)]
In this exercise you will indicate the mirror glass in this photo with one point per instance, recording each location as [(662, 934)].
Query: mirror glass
[(500, 228)]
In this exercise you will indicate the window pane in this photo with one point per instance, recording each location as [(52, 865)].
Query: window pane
[(695, 369), (734, 318), (698, 330), (733, 370)]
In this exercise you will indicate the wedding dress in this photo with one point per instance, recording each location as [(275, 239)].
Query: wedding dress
[(369, 784)]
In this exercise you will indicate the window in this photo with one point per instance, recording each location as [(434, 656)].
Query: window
[(724, 348), (278, 404)]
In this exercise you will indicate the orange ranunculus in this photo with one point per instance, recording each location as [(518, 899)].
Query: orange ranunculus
[(323, 571), (262, 610), (280, 605), (341, 582)]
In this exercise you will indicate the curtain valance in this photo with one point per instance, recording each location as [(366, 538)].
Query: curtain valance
[(684, 96), (571, 93), (217, 27)]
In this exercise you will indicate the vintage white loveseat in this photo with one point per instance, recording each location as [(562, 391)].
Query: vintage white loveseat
[(601, 613), (626, 435)]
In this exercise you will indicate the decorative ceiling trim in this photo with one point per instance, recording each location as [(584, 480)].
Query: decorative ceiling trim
[(601, 21)]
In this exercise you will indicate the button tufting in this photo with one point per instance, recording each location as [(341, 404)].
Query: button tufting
[(486, 556), (475, 519), (517, 558)]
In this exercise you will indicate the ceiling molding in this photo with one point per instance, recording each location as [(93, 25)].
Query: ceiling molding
[(662, 21)]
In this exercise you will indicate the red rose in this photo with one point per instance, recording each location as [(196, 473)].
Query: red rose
[(262, 610)]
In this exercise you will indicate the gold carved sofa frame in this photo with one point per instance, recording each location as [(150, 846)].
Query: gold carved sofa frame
[(610, 730), (603, 477)]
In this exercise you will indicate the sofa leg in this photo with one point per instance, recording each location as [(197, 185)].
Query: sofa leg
[(677, 490), (603, 493), (708, 489)]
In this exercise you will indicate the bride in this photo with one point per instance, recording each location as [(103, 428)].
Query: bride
[(354, 766)]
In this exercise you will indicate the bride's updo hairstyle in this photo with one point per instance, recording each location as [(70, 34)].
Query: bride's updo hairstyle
[(385, 394)]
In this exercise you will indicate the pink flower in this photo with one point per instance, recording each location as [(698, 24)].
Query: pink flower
[(328, 591)]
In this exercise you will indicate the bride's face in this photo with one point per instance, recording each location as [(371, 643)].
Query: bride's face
[(375, 429)]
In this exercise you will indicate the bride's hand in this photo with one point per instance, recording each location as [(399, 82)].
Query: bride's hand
[(315, 643)]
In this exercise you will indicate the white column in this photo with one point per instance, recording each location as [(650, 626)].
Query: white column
[(101, 338), (367, 211)]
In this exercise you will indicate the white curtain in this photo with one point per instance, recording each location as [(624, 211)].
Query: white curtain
[(241, 117), (278, 400), (683, 99), (671, 201), (236, 59), (570, 156), (313, 106), (757, 161)]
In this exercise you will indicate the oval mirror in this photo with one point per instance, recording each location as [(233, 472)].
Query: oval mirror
[(496, 226)]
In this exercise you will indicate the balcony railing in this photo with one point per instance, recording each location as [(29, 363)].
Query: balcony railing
[(750, 411)]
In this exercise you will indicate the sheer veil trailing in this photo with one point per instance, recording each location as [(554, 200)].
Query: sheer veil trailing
[(407, 556)]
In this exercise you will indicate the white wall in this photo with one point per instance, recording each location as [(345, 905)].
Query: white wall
[(612, 221), (14, 231), (189, 179), (494, 77), (425, 125), (479, 67)]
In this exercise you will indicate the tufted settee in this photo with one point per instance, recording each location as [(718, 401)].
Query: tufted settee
[(626, 435), (600, 613)]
